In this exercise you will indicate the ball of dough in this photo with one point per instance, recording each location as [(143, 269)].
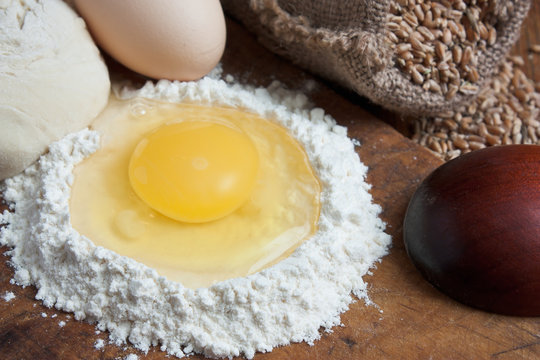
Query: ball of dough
[(53, 80)]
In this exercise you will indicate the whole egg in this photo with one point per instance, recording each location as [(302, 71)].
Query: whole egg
[(162, 39), (472, 228)]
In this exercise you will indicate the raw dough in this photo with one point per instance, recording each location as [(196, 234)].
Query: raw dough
[(52, 79)]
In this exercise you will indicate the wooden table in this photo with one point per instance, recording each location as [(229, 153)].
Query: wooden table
[(417, 321), (530, 35)]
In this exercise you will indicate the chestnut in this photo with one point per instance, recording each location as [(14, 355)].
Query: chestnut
[(472, 228)]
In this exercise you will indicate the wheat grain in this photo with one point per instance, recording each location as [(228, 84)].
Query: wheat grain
[(445, 37), (506, 111)]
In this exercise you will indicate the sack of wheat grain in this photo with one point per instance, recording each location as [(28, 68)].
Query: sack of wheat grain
[(417, 57)]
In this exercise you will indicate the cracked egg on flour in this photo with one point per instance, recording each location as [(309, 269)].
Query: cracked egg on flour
[(199, 193)]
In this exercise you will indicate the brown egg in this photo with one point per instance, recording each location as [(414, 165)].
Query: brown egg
[(162, 39), (472, 228)]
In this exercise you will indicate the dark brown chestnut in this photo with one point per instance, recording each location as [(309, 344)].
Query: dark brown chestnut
[(472, 228)]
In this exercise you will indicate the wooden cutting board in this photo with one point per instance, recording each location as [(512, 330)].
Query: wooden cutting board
[(412, 320)]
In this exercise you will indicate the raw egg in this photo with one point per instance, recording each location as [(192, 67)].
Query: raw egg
[(162, 39), (472, 228), (199, 193)]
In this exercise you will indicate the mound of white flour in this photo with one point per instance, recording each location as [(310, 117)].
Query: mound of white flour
[(288, 302)]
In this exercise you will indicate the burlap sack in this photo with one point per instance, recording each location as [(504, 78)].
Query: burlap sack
[(345, 41)]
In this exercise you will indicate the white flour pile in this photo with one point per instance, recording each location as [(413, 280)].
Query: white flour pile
[(288, 302)]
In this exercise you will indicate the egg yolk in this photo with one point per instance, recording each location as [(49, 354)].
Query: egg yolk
[(194, 171)]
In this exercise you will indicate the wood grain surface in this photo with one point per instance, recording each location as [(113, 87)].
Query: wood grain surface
[(412, 320), (530, 36)]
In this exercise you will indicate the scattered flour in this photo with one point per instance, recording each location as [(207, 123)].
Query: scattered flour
[(8, 296), (288, 302), (131, 357), (61, 323), (100, 344), (43, 315)]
